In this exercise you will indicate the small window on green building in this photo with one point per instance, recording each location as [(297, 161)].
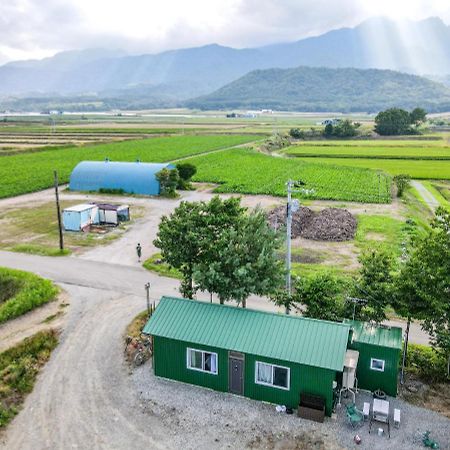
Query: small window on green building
[(272, 375), (377, 364), (202, 361)]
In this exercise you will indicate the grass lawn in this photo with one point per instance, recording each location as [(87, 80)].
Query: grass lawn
[(21, 292), (380, 232), (19, 367), (35, 230), (162, 268)]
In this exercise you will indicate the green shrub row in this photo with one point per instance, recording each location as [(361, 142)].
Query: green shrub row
[(31, 291)]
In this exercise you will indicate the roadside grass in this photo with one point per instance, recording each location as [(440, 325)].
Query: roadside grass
[(34, 230), (310, 270), (161, 268), (19, 367), (135, 327), (28, 292), (39, 250), (439, 192)]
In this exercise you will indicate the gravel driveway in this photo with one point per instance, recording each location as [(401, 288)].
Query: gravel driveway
[(198, 418)]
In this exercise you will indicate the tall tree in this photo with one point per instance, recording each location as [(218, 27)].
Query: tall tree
[(242, 260), (321, 296), (374, 284), (417, 116), (393, 121), (186, 237)]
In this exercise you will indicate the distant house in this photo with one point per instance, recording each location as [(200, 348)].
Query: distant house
[(263, 356), (128, 177), (330, 122)]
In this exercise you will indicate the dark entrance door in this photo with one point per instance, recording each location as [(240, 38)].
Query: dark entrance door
[(236, 375)]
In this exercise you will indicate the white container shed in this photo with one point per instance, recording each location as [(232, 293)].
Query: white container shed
[(113, 214), (80, 217)]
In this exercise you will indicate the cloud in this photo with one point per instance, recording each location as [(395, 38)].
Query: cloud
[(36, 28)]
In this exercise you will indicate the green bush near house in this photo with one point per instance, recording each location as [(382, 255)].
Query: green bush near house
[(426, 364), (19, 367), (21, 292)]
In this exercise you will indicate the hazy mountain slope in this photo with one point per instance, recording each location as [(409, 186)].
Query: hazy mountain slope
[(417, 47), (324, 89)]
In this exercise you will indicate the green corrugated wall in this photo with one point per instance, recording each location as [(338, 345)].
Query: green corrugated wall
[(169, 361), (372, 379)]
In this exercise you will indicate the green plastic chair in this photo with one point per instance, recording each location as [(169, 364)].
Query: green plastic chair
[(355, 416)]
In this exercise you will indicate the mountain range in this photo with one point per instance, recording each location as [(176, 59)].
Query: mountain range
[(325, 89), (170, 77)]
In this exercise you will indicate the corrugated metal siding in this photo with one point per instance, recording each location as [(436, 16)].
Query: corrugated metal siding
[(136, 178), (303, 379), (376, 335), (169, 361), (288, 338), (371, 379)]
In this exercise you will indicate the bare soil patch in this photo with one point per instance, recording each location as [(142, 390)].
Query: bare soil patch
[(329, 224)]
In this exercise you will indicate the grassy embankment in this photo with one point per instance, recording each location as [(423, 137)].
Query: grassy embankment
[(20, 292), (19, 367)]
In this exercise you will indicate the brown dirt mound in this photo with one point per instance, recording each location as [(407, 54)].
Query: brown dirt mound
[(329, 224)]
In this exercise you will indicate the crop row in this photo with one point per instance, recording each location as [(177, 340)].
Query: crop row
[(31, 172), (248, 172), (380, 152), (421, 169)]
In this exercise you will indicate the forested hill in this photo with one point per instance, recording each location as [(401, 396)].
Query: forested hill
[(325, 89)]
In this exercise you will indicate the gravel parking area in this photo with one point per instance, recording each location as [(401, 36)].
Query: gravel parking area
[(198, 418)]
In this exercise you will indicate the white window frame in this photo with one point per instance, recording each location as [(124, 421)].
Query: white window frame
[(375, 368), (273, 370), (188, 360)]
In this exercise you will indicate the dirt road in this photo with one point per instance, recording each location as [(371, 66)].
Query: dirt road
[(426, 195), (83, 398)]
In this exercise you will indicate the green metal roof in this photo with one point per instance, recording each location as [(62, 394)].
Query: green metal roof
[(376, 334), (288, 338)]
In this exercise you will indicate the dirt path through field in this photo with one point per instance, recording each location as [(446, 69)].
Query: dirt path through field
[(426, 195)]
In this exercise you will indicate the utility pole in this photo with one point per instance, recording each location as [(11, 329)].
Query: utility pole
[(291, 207), (356, 301), (147, 288), (58, 211)]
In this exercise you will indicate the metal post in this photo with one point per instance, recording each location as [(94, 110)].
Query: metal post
[(147, 288), (58, 211), (288, 237), (405, 351)]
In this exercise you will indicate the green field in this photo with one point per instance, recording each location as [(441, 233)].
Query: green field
[(248, 172), (371, 151), (421, 169), (31, 172)]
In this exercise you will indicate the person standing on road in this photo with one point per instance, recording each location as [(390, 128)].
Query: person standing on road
[(139, 251)]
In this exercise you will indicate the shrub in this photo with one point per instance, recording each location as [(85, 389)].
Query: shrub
[(296, 133), (426, 363), (34, 291)]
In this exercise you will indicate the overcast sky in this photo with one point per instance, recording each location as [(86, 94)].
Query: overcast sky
[(39, 28)]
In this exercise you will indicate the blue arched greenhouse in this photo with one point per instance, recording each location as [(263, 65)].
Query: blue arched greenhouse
[(131, 177)]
